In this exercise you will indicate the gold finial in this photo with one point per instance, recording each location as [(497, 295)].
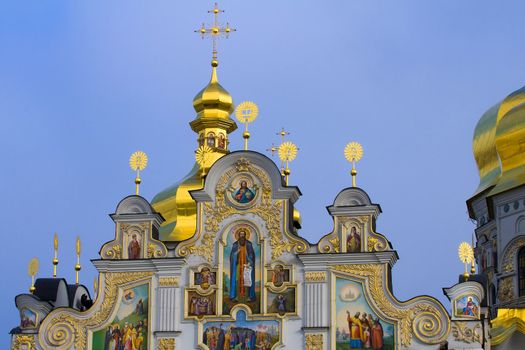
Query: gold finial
[(32, 271), (77, 266), (353, 153), (272, 149), (95, 287), (246, 113), (287, 153), (215, 32), (283, 133), (473, 267), (203, 158), (55, 256), (466, 256), (138, 162)]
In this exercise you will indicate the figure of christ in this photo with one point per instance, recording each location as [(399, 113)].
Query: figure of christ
[(244, 194), (470, 308), (356, 330), (134, 248), (242, 256)]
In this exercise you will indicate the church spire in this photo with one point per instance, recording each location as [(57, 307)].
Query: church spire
[(213, 103)]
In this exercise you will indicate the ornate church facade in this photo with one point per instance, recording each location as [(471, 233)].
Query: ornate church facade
[(216, 262)]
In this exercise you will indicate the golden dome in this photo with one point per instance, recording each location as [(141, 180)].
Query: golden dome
[(213, 105), (499, 145)]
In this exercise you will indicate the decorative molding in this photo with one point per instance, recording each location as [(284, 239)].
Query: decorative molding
[(463, 333), (168, 281), (66, 328), (509, 261), (506, 289), (24, 342), (314, 341), (267, 209), (166, 344), (422, 317), (317, 276)]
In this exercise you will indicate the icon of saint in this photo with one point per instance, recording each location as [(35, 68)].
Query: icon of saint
[(206, 278), (134, 248), (278, 276), (244, 194), (470, 308), (353, 241), (242, 267)]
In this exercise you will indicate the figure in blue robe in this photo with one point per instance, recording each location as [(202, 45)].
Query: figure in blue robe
[(244, 194), (242, 254)]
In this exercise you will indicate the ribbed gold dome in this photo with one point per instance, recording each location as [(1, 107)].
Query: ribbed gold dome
[(213, 105), (499, 147)]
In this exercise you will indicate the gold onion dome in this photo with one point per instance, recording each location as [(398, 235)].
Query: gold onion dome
[(213, 105), (499, 145)]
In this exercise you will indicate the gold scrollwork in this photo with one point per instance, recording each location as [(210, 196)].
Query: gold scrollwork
[(314, 341), (506, 290), (24, 342), (423, 319), (114, 252), (336, 243), (169, 281), (166, 344), (463, 333), (315, 276), (267, 209), (63, 328), (509, 255)]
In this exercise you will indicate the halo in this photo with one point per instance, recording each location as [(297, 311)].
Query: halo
[(245, 229), (246, 112), (138, 161), (287, 151), (465, 253), (353, 152)]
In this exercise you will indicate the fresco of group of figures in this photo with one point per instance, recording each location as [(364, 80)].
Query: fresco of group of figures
[(357, 325), (241, 334), (242, 269), (129, 328), (27, 319)]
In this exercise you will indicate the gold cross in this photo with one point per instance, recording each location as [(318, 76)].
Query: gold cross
[(216, 30)]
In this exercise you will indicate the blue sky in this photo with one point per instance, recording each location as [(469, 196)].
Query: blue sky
[(83, 84)]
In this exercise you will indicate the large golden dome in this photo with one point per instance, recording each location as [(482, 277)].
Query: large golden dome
[(499, 145), (213, 105)]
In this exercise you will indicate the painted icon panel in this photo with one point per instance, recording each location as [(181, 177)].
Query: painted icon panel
[(242, 269), (278, 275), (357, 325), (467, 306), (281, 303), (241, 334), (27, 319), (129, 327), (201, 305), (205, 278)]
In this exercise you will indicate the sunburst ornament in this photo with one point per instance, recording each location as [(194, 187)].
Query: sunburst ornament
[(246, 112), (203, 158), (353, 153), (466, 255), (138, 162), (287, 152)]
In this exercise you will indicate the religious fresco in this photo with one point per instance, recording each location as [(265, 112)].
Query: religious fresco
[(243, 190), (201, 305), (133, 245), (353, 241), (278, 275), (241, 334), (27, 319), (357, 325), (205, 278), (467, 306), (242, 269), (129, 328), (281, 303)]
